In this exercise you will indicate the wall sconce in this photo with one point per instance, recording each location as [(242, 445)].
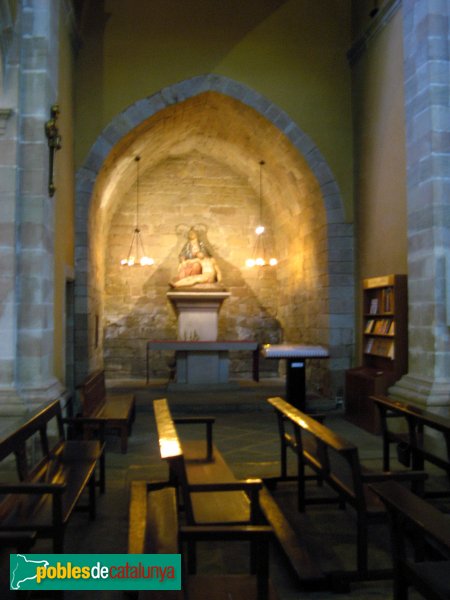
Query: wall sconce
[(54, 144)]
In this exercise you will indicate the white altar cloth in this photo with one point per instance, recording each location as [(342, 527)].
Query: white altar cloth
[(294, 351)]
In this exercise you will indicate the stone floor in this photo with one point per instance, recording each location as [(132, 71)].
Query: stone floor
[(246, 434)]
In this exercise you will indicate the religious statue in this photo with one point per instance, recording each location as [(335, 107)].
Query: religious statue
[(206, 271), (193, 245), (196, 265)]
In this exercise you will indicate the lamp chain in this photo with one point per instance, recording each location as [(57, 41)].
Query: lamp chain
[(137, 159), (261, 163)]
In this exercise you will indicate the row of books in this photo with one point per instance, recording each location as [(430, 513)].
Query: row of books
[(380, 347), (383, 302), (380, 326)]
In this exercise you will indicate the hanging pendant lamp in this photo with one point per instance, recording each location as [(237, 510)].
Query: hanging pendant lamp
[(137, 256), (260, 256)]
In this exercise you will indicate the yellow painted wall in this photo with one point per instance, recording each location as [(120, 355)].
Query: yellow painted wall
[(64, 200), (293, 52), (380, 181), (380, 160)]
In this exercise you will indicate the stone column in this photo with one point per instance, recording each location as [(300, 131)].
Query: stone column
[(427, 107), (10, 403), (35, 212)]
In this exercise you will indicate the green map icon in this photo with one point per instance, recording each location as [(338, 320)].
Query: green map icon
[(24, 570)]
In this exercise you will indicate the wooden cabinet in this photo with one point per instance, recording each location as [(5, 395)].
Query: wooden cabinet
[(384, 347)]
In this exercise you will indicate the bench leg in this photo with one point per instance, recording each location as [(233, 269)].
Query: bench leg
[(262, 572), (192, 558), (102, 474), (92, 498), (400, 587), (362, 549), (254, 555), (301, 486), (386, 455), (124, 438), (283, 460), (58, 540)]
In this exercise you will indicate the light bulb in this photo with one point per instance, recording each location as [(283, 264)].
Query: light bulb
[(131, 261), (124, 262), (260, 262), (250, 262), (146, 261), (273, 262), (260, 229)]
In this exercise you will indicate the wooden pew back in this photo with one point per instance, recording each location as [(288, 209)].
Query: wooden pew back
[(52, 474), (211, 493), (427, 438), (19, 442), (412, 519), (338, 463), (154, 528), (93, 394)]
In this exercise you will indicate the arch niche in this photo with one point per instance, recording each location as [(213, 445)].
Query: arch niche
[(200, 144)]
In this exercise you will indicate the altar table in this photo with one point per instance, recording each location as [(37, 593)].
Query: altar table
[(204, 362), (295, 355)]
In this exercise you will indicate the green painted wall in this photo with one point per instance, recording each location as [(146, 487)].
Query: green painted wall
[(293, 52)]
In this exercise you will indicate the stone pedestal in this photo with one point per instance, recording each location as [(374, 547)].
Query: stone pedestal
[(198, 320), (202, 364), (198, 313)]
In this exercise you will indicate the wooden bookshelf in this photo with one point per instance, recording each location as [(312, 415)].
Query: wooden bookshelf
[(384, 347)]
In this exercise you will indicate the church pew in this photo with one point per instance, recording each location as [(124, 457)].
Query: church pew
[(420, 541)]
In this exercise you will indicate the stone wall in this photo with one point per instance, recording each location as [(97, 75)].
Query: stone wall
[(214, 131), (184, 191)]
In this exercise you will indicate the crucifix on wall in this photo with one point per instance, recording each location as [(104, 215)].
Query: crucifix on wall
[(54, 143)]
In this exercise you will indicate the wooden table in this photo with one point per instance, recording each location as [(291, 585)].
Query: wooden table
[(295, 355)]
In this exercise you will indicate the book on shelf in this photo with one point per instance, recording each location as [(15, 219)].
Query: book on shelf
[(369, 345), (391, 351), (380, 347), (387, 300), (373, 310), (382, 326), (369, 326), (377, 327), (391, 330)]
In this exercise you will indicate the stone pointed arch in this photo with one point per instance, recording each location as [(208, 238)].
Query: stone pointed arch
[(339, 232)]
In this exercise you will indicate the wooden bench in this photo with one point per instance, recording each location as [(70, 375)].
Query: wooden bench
[(420, 543), (303, 444), (154, 528), (210, 492), (118, 411), (425, 436), (52, 474), (336, 462)]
